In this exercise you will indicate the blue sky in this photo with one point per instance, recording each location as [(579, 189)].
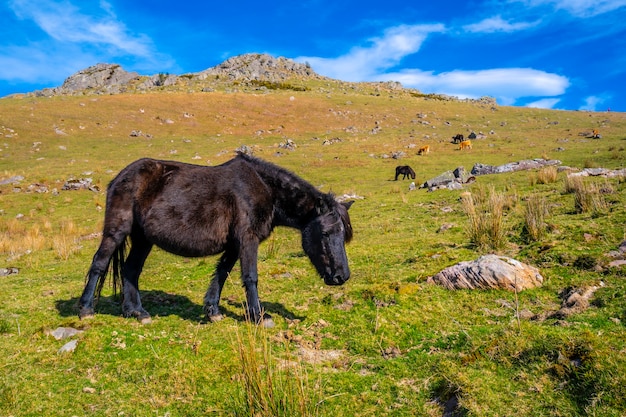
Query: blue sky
[(561, 54)]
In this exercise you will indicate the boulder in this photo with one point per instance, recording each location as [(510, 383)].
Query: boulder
[(489, 272), (105, 77)]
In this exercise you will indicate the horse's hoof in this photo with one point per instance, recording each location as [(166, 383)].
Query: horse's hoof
[(215, 318), (268, 323), (145, 320), (86, 313)]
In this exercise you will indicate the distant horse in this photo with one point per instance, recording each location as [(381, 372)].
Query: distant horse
[(458, 138), (405, 171), (423, 150), (194, 211), (466, 144)]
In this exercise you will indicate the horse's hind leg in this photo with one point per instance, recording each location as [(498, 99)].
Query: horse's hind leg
[(213, 294), (131, 303), (97, 271)]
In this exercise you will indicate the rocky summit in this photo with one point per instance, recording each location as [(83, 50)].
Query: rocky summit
[(248, 68)]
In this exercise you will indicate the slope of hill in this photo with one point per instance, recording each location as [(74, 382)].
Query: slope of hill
[(387, 342)]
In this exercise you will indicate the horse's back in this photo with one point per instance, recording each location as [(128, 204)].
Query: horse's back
[(187, 209)]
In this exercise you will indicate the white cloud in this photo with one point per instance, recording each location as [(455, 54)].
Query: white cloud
[(505, 84), (545, 103), (579, 8), (372, 63), (593, 102), (64, 22), (364, 63), (497, 24)]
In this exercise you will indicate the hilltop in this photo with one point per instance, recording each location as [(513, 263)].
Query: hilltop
[(247, 72)]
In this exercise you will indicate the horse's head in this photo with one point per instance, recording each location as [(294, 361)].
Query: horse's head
[(324, 239)]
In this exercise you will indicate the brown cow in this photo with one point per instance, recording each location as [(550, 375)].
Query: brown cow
[(423, 150), (466, 144)]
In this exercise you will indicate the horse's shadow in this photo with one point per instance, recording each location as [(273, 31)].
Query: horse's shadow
[(162, 304)]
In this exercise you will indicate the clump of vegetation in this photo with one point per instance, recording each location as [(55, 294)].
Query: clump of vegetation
[(486, 228), (273, 85), (588, 196), (269, 386), (535, 214), (547, 175)]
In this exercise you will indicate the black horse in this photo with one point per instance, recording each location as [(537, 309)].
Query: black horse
[(405, 171), (194, 211)]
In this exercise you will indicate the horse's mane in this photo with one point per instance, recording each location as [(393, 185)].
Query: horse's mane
[(300, 192), (274, 175)]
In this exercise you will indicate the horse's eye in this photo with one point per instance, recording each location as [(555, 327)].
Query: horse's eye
[(326, 234)]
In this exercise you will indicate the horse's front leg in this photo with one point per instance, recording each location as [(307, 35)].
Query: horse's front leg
[(213, 294), (250, 279)]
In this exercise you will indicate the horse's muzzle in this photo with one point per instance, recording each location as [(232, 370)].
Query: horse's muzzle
[(336, 279)]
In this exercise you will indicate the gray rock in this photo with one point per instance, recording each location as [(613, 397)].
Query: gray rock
[(482, 169), (106, 77), (69, 347), (489, 272), (61, 333)]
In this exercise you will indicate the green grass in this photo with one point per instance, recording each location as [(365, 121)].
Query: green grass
[(386, 343)]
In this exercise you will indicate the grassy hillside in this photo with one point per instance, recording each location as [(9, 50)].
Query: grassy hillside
[(387, 342)]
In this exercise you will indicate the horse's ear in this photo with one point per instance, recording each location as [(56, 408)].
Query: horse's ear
[(347, 204)]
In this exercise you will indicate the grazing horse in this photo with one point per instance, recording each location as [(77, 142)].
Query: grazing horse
[(457, 139), (405, 171), (423, 150), (195, 211), (466, 144)]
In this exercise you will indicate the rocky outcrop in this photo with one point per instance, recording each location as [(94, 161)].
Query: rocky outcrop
[(258, 67), (451, 180), (482, 169), (106, 78), (489, 272)]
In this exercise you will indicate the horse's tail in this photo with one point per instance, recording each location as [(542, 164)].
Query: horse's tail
[(116, 264)]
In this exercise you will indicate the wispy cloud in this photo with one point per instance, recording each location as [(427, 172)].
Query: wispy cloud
[(363, 63), (373, 63), (505, 84), (592, 103), (498, 24), (546, 103), (65, 22), (578, 8), (71, 38)]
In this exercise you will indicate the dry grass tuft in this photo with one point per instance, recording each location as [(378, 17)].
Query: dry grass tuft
[(266, 388), (486, 227), (535, 214), (547, 175)]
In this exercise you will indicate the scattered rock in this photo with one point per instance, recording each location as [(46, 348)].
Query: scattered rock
[(489, 272), (61, 333), (8, 271), (80, 184), (69, 347), (13, 180)]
